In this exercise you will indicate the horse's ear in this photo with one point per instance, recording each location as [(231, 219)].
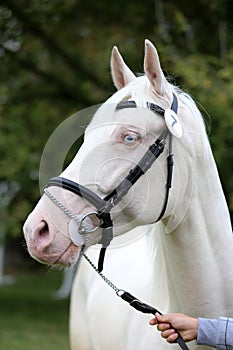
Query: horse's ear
[(153, 69), (121, 74)]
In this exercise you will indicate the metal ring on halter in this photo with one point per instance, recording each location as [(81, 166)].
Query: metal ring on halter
[(82, 229)]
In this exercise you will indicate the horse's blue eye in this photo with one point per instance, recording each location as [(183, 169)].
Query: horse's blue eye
[(130, 138)]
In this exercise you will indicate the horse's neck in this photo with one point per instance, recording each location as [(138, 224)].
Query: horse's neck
[(141, 270), (199, 249)]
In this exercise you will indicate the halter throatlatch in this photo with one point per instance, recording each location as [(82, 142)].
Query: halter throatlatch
[(104, 206)]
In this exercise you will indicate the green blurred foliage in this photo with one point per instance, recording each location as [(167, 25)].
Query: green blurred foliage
[(30, 316), (54, 60)]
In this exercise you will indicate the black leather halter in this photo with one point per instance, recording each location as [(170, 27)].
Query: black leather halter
[(104, 206)]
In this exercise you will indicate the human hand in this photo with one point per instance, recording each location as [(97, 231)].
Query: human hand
[(186, 326)]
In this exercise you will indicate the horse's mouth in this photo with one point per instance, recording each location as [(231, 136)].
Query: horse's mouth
[(68, 257)]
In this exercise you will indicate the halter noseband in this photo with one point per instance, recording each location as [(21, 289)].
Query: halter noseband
[(104, 206)]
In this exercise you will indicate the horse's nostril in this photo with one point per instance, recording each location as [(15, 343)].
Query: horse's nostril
[(44, 230)]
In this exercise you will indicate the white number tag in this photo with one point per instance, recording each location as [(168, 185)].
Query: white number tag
[(173, 123)]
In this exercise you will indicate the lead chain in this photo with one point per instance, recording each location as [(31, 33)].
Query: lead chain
[(72, 216), (61, 206), (106, 280)]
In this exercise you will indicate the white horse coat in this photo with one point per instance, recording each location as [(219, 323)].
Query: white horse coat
[(184, 262)]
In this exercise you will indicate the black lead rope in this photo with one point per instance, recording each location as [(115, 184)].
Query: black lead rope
[(133, 301), (147, 309)]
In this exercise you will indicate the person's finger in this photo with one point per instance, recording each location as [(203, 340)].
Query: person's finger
[(171, 338), (167, 333), (163, 326), (153, 321), (163, 318)]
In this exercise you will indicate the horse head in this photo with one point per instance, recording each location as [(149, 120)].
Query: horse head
[(121, 132)]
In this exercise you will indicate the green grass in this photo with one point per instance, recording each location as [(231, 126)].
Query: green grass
[(30, 319)]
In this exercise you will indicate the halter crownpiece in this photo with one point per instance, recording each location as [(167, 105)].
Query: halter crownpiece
[(104, 206)]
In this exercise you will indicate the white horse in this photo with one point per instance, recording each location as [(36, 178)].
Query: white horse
[(182, 263)]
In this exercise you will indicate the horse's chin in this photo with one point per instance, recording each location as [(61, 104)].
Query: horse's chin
[(69, 257), (65, 259)]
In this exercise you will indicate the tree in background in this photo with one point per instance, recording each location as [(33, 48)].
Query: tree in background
[(54, 59)]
